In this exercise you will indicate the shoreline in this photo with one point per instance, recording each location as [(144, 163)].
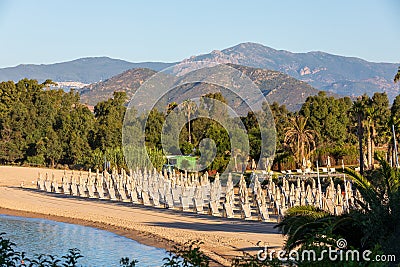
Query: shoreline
[(223, 239), (136, 235), (142, 237)]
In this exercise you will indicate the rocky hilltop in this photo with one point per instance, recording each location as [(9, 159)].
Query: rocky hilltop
[(337, 74), (276, 86)]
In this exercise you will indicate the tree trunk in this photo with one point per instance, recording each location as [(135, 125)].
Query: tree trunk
[(360, 143), (372, 152), (393, 155), (190, 137), (373, 136), (302, 154), (369, 151)]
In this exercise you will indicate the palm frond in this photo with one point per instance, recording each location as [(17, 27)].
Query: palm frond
[(391, 176), (306, 210), (369, 193)]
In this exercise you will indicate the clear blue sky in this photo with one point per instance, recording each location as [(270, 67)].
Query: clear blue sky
[(44, 31)]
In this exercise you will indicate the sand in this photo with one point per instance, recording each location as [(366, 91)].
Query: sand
[(223, 238)]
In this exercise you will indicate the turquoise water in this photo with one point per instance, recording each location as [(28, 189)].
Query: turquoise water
[(99, 247)]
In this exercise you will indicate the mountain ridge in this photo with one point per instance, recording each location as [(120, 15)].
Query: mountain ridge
[(86, 70), (275, 86), (337, 74), (324, 71)]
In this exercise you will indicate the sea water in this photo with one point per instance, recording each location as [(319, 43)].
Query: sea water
[(99, 247)]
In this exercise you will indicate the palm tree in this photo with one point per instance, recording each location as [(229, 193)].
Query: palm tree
[(371, 133), (372, 116), (307, 226), (394, 126), (379, 213), (373, 225), (299, 139), (189, 107), (358, 110)]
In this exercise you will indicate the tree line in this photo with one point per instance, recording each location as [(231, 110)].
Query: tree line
[(338, 128), (44, 126)]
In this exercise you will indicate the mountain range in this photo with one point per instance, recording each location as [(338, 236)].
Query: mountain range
[(275, 86), (338, 75), (83, 70)]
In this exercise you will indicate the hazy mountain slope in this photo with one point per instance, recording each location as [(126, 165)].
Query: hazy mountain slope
[(85, 70), (279, 87), (128, 81), (276, 86), (337, 74)]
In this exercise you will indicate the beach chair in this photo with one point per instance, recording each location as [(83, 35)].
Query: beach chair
[(190, 192), (55, 187), (111, 194), (228, 210), (176, 193), (262, 213), (100, 192), (246, 211), (198, 204), (134, 197), (213, 208), (82, 191), (156, 199), (122, 195), (205, 191), (66, 188), (74, 189), (47, 186), (169, 201), (40, 185), (185, 203), (91, 191), (145, 198)]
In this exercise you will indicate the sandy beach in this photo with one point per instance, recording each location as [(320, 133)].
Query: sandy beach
[(223, 238)]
